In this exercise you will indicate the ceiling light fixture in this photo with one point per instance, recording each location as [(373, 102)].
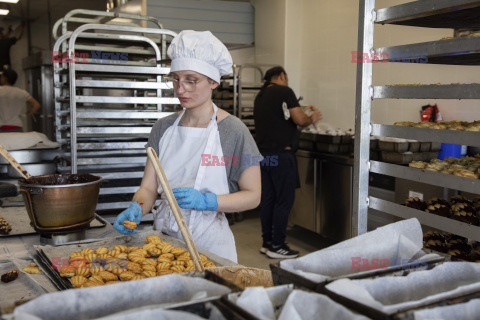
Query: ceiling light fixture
[(9, 1), (4, 12)]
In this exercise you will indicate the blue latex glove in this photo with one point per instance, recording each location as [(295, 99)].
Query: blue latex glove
[(132, 213), (189, 198)]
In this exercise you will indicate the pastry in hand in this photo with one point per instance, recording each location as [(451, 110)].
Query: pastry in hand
[(129, 224), (9, 276), (32, 269)]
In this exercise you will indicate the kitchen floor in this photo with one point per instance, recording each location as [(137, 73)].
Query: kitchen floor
[(248, 238)]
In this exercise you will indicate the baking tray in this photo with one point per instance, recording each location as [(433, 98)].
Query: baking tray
[(282, 276), (47, 254), (327, 147), (204, 309), (391, 146), (326, 138), (377, 314), (306, 145), (346, 139), (418, 156), (425, 146), (396, 158), (414, 146), (18, 218), (13, 293), (344, 148), (409, 315), (427, 156), (436, 146)]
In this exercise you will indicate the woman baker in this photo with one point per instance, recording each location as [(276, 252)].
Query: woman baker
[(209, 156)]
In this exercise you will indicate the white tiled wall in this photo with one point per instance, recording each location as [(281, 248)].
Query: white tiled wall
[(313, 39)]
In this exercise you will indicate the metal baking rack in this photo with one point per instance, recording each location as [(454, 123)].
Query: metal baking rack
[(457, 51), (105, 109), (225, 95), (247, 91)]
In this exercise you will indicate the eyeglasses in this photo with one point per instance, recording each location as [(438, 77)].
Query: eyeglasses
[(174, 83)]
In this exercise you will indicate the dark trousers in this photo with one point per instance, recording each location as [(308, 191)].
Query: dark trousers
[(279, 180)]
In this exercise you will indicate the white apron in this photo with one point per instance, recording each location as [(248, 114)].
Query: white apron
[(180, 153)]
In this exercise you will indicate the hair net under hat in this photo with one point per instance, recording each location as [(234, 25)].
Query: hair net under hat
[(202, 52)]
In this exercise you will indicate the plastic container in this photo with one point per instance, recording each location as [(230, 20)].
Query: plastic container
[(452, 150)]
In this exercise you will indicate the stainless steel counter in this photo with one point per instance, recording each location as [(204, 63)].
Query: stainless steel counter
[(323, 203)]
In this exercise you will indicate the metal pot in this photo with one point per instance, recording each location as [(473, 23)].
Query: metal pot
[(60, 201)]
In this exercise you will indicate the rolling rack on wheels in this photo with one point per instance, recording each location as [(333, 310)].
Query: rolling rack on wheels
[(107, 100), (456, 14)]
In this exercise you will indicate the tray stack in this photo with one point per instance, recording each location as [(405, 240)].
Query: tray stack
[(108, 96)]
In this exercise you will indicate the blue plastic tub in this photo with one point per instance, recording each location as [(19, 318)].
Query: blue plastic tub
[(452, 150)]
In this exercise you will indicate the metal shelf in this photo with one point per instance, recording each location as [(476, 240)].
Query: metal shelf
[(111, 145), (119, 114), (118, 190), (429, 135), (122, 84), (428, 177), (116, 160), (120, 175), (425, 218), (125, 100), (458, 51), (121, 69), (448, 91), (433, 14), (113, 130)]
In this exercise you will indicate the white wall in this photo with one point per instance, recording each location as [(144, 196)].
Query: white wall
[(315, 48)]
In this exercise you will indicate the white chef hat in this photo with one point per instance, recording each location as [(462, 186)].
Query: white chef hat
[(202, 52)]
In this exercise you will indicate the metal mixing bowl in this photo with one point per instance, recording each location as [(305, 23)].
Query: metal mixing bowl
[(60, 201)]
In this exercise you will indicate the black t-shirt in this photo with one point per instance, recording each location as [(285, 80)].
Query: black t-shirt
[(272, 131), (5, 45)]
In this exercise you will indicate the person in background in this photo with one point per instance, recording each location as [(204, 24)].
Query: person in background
[(13, 103), (6, 42), (277, 114)]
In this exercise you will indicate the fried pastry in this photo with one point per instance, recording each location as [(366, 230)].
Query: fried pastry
[(32, 269), (132, 248), (77, 281), (127, 275), (190, 268), (9, 276), (75, 255), (120, 247), (167, 248), (149, 274), (184, 257), (155, 252), (95, 269), (138, 277), (439, 209), (97, 279), (67, 271), (123, 256), (164, 266), (147, 267), (465, 173), (107, 276), (178, 263), (149, 262), (209, 264), (168, 256), (163, 272), (418, 164), (82, 271), (178, 269), (153, 239), (134, 267), (86, 251), (433, 235), (90, 283), (149, 246), (129, 224), (101, 250), (114, 253), (111, 282), (178, 251), (5, 227)]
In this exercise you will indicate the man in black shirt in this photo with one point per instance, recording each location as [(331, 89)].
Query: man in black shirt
[(5, 43), (277, 114)]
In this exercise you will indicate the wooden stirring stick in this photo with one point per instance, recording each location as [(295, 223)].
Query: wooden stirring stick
[(17, 166), (172, 202)]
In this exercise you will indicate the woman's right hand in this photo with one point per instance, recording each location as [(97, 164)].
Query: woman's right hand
[(132, 213)]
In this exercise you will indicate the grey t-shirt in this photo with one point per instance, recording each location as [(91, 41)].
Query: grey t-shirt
[(237, 143)]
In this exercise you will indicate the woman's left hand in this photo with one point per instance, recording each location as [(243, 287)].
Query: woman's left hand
[(189, 198)]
